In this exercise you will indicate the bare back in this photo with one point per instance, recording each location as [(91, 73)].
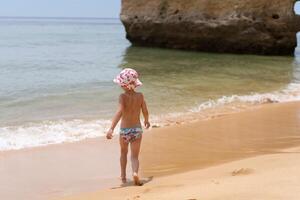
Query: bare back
[(131, 109)]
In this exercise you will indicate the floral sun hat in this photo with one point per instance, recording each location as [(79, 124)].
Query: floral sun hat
[(128, 78)]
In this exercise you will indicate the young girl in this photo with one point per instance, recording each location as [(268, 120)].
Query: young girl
[(130, 105)]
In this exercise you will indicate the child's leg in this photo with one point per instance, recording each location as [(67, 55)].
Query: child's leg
[(135, 150), (123, 158)]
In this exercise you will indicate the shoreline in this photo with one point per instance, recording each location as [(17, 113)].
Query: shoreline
[(220, 139), (161, 121), (269, 172), (26, 134), (166, 151)]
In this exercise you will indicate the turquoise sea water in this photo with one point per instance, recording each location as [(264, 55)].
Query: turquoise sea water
[(56, 79)]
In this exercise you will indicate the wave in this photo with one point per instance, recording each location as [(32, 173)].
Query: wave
[(290, 93), (50, 132), (54, 132)]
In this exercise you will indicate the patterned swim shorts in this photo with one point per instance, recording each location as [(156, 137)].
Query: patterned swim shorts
[(131, 134)]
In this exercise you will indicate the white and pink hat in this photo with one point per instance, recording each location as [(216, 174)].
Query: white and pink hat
[(128, 78)]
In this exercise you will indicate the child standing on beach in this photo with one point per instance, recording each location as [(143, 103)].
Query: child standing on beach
[(131, 103)]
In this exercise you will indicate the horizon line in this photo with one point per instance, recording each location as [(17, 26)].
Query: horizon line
[(57, 17)]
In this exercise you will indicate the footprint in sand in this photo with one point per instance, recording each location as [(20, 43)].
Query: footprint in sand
[(147, 190), (215, 182), (135, 197), (242, 171)]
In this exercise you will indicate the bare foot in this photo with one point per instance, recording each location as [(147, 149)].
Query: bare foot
[(123, 179), (136, 180)]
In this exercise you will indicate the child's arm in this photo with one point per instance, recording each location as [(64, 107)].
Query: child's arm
[(145, 113), (116, 118)]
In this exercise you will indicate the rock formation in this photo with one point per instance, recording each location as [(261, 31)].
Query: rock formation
[(233, 26)]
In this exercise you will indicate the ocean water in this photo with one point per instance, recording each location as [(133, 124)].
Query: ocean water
[(56, 79)]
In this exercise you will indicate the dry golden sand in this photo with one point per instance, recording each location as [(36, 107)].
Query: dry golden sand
[(267, 177), (196, 160)]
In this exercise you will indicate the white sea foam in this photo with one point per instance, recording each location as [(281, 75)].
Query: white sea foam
[(290, 93), (54, 132), (51, 132)]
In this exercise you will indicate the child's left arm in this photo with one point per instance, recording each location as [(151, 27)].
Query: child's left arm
[(116, 119), (145, 113)]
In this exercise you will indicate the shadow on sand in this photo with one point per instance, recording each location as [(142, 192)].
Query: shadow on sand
[(131, 183)]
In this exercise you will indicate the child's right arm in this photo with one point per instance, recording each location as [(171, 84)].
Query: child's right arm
[(145, 113), (115, 119)]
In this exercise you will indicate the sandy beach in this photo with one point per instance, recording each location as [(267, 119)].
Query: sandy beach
[(238, 155), (267, 130), (267, 177)]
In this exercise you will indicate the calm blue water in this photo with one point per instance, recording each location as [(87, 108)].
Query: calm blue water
[(56, 78), (57, 63)]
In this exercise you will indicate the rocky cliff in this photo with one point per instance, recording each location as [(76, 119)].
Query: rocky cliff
[(234, 26)]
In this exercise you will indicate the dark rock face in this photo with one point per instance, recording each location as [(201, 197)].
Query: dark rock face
[(232, 26)]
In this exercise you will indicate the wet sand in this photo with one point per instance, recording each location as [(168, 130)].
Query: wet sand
[(263, 129), (185, 149), (171, 158), (58, 170)]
